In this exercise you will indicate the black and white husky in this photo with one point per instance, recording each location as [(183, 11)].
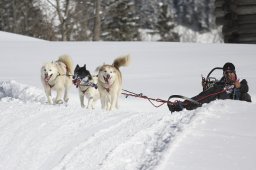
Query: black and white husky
[(87, 86)]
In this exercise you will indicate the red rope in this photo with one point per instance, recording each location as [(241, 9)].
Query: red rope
[(129, 93), (214, 94)]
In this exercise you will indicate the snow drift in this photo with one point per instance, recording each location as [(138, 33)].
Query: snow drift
[(13, 90)]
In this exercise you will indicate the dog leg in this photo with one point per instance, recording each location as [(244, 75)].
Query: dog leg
[(108, 108), (89, 105), (95, 99), (93, 104), (48, 95), (58, 97), (81, 96), (107, 102), (117, 98), (113, 102), (116, 104), (66, 98), (102, 100)]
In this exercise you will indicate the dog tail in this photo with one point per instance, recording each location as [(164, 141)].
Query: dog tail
[(66, 59), (121, 61)]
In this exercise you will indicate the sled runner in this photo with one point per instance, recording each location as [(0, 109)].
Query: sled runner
[(178, 106)]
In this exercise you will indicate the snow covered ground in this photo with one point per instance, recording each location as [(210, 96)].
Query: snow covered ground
[(38, 136), (5, 36)]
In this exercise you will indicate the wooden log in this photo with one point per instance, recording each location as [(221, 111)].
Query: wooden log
[(245, 10), (219, 3), (245, 19), (247, 28), (219, 12), (227, 30), (220, 21), (229, 19), (230, 38), (246, 38), (245, 2), (239, 29), (243, 38), (234, 20), (253, 42), (238, 9)]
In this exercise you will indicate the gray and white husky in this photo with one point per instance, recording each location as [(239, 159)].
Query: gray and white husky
[(110, 82)]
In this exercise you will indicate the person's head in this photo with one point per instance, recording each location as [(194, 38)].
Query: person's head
[(229, 72)]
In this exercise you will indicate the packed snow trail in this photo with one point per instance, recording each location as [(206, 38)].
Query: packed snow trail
[(38, 136), (35, 135)]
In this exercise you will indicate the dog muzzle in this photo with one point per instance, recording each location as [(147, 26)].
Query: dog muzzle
[(47, 77), (107, 79), (76, 82)]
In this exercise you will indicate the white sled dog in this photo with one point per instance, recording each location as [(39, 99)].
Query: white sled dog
[(110, 82), (57, 75)]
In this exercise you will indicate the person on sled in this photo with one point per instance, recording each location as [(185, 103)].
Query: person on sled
[(228, 87)]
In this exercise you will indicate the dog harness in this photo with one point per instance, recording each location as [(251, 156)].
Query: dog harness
[(84, 91), (51, 86), (90, 84)]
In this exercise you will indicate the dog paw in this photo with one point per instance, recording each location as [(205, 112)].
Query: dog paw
[(66, 100), (59, 101), (82, 105), (49, 102)]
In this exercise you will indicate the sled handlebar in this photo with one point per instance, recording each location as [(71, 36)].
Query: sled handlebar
[(216, 68)]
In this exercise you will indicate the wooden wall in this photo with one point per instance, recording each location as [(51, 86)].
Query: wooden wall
[(238, 18)]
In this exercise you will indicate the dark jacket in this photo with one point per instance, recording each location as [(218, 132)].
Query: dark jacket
[(221, 90)]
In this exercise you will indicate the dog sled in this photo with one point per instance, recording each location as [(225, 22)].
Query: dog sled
[(173, 101)]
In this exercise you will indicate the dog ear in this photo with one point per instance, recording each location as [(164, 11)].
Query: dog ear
[(97, 69), (85, 66), (77, 66)]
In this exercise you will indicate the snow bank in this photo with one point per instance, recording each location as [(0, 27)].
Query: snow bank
[(6, 36), (10, 90)]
